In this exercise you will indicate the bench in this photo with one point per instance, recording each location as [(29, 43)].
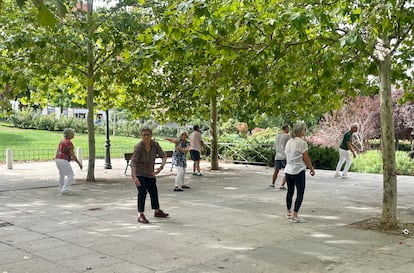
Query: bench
[(128, 156)]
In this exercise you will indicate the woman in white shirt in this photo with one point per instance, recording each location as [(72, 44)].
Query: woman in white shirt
[(297, 160)]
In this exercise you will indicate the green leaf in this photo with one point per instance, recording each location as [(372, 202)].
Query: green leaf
[(45, 17)]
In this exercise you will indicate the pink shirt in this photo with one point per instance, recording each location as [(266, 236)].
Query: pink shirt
[(195, 141), (64, 150)]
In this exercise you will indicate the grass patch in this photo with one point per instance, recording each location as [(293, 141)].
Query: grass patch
[(28, 139)]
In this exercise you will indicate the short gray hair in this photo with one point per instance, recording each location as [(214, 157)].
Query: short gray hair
[(298, 128), (67, 132)]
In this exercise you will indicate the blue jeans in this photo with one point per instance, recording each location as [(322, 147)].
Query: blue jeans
[(298, 181), (147, 185)]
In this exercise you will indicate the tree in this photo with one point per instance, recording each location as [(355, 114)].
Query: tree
[(372, 38), (301, 57), (93, 47), (362, 110), (226, 59)]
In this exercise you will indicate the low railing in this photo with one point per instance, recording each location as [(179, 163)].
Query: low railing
[(229, 152), (49, 154), (247, 154)]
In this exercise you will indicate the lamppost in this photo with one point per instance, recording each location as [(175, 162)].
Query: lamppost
[(107, 143)]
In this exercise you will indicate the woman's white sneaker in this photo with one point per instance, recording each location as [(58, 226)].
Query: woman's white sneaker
[(298, 220)]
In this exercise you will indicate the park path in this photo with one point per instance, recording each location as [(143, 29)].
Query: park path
[(230, 221)]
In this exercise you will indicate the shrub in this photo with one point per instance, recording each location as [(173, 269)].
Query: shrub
[(46, 122), (79, 125), (24, 119), (324, 158), (371, 162)]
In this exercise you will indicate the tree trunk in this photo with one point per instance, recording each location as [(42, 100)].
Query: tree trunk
[(389, 209), (213, 132), (90, 78)]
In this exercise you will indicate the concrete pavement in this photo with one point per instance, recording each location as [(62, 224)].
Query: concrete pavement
[(230, 221)]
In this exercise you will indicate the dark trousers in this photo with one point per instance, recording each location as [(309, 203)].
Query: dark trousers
[(147, 185), (298, 181)]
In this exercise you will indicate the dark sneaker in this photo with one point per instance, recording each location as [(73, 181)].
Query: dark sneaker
[(142, 219), (178, 189), (271, 185), (185, 187), (194, 174), (160, 214)]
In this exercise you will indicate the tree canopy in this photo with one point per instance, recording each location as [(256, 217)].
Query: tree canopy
[(223, 59)]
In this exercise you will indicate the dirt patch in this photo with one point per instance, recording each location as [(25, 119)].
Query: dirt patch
[(374, 225)]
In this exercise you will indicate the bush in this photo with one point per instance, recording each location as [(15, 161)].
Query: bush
[(255, 148), (324, 158), (25, 119), (371, 162), (79, 125), (46, 122)]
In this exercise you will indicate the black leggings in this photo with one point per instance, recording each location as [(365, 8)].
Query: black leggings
[(298, 181), (147, 185)]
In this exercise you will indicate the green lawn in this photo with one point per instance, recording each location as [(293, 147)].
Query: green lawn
[(35, 140)]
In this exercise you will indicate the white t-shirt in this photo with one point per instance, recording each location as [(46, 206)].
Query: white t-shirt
[(195, 141), (294, 150), (280, 145)]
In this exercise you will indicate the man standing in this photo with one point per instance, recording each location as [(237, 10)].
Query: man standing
[(196, 142), (280, 157), (344, 148)]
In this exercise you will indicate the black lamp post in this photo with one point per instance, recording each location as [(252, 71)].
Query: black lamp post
[(107, 143)]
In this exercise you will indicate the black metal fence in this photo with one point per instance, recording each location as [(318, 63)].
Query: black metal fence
[(249, 153), (49, 154)]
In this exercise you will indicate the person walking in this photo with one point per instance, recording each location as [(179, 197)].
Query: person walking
[(297, 160), (64, 155), (196, 143), (143, 174), (280, 157), (179, 159), (344, 148)]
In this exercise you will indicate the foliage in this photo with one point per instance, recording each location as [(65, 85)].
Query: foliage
[(403, 115), (370, 162), (32, 119), (230, 138), (322, 157), (24, 118), (266, 121), (228, 127), (83, 58), (257, 147), (363, 111), (45, 122)]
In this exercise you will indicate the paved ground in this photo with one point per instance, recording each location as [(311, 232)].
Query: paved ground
[(230, 221)]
